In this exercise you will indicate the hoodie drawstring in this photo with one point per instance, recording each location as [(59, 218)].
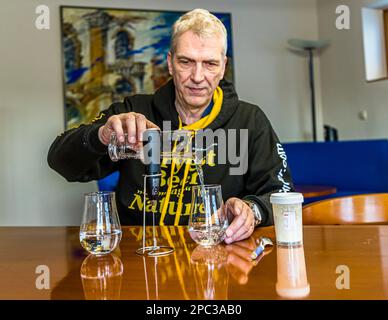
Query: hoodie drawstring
[(200, 124)]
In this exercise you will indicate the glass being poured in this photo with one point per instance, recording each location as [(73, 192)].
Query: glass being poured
[(161, 145)]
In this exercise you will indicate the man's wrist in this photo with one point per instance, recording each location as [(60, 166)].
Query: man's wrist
[(256, 212)]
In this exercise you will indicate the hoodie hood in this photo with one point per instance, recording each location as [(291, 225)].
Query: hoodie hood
[(167, 111)]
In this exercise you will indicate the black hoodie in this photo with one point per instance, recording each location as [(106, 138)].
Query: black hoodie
[(78, 155)]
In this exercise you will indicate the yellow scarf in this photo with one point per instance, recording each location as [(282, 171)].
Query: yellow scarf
[(200, 124)]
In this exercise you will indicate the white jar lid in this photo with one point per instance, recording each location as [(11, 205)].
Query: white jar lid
[(286, 198)]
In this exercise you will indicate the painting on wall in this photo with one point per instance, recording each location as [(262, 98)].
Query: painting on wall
[(109, 54)]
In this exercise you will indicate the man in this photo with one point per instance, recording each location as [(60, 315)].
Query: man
[(195, 98)]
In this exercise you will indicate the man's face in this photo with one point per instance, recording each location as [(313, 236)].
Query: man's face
[(197, 67)]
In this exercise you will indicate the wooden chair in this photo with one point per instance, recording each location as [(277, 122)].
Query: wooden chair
[(358, 209)]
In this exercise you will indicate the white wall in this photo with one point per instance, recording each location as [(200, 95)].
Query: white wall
[(345, 91), (31, 101)]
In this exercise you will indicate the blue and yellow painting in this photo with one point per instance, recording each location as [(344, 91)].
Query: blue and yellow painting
[(109, 54)]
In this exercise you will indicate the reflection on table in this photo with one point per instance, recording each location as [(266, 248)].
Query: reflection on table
[(292, 280), (101, 277), (211, 276), (192, 272)]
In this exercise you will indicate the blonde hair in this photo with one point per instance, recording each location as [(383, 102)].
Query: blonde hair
[(202, 23)]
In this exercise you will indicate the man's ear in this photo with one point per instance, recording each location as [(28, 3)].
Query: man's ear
[(169, 62), (223, 71)]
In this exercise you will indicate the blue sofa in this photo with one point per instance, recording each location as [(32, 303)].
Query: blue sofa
[(353, 167)]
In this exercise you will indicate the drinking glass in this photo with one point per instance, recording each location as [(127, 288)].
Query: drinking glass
[(123, 150), (100, 230), (208, 220), (178, 144)]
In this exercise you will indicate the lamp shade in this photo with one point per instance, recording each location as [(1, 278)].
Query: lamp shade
[(308, 44)]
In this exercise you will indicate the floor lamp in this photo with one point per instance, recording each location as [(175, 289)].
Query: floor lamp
[(310, 46)]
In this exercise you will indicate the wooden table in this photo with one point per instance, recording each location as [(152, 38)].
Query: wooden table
[(193, 272), (312, 191)]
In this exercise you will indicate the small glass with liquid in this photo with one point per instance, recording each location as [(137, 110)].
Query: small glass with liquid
[(208, 220), (178, 144), (100, 231)]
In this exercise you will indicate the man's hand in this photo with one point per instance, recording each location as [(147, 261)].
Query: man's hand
[(132, 123), (242, 220)]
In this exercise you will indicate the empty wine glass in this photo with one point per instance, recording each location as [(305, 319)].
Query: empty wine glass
[(100, 230), (208, 220)]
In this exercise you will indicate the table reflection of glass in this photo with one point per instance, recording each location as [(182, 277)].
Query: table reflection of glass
[(101, 277), (292, 280), (210, 273), (194, 271)]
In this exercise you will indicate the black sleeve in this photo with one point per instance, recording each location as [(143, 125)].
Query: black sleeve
[(78, 155), (268, 171)]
